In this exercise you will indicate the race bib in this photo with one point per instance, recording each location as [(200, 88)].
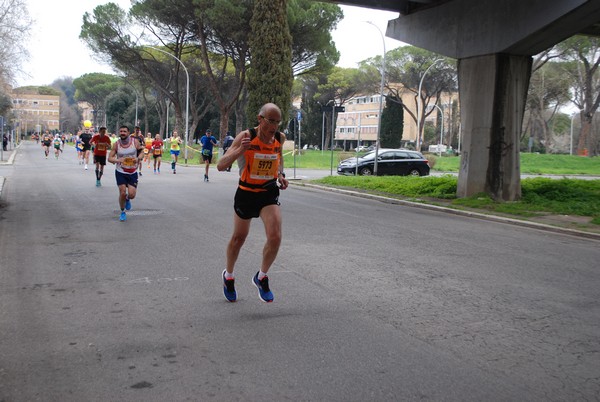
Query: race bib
[(129, 162), (264, 166), (101, 146), (157, 151), (146, 151)]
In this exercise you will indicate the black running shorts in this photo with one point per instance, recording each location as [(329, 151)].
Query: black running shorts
[(248, 204)]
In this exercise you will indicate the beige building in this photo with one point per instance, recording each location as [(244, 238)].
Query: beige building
[(34, 112), (360, 120)]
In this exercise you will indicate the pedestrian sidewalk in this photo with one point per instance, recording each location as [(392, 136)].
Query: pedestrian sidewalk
[(8, 157), (9, 161)]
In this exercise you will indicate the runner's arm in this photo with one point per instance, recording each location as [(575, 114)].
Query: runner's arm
[(238, 147), (283, 182), (112, 157)]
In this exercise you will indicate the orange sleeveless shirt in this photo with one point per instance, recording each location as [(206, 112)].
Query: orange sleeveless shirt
[(260, 164)]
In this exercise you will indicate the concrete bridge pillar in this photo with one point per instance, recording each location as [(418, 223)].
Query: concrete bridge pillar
[(493, 91), (493, 42)]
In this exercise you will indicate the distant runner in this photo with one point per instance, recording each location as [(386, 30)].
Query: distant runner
[(207, 141), (102, 144), (175, 149), (57, 144), (85, 138), (46, 142), (157, 146)]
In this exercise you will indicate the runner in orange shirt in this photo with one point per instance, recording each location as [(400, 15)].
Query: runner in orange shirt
[(102, 144), (148, 148)]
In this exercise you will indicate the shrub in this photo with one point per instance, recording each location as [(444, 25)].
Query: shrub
[(432, 160)]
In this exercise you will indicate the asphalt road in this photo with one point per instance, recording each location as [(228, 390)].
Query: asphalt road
[(373, 301)]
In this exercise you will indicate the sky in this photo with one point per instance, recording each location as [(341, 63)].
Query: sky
[(56, 50)]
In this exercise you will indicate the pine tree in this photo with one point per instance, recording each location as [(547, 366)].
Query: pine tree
[(270, 74), (392, 123)]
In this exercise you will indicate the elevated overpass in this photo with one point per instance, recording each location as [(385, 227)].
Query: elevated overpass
[(493, 41)]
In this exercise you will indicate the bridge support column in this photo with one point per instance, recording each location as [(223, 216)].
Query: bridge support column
[(493, 91)]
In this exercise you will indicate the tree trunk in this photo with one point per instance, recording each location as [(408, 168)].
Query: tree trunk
[(586, 128)]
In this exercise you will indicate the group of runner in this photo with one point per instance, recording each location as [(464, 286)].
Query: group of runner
[(52, 141), (258, 151)]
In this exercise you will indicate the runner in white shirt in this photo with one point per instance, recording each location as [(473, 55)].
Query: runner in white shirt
[(124, 154)]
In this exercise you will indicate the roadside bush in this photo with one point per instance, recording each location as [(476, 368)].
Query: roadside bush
[(432, 160)]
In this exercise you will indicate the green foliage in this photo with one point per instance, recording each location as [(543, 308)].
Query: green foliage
[(430, 135), (5, 103), (95, 87), (566, 196), (561, 124), (311, 24), (103, 31), (406, 186), (543, 195), (537, 164), (341, 84), (432, 160), (540, 195), (41, 90), (392, 123), (270, 73)]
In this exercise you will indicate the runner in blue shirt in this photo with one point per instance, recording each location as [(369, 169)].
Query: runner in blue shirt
[(207, 141)]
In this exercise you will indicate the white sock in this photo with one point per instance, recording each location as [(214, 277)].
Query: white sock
[(228, 275), (261, 275)]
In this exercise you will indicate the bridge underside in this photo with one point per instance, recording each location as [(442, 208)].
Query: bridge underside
[(493, 42)]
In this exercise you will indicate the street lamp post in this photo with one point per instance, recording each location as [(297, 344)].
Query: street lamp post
[(420, 104), (380, 99), (332, 133), (2, 137), (441, 130), (323, 110), (167, 124), (571, 146), (322, 131), (187, 100)]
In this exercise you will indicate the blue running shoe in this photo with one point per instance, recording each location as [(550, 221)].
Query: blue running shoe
[(264, 292), (127, 204), (229, 288), (98, 183), (123, 216)]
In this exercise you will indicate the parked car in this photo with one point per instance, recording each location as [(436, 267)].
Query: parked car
[(361, 148), (399, 162)]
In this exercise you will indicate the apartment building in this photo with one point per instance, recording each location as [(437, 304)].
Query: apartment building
[(359, 123), (33, 112)]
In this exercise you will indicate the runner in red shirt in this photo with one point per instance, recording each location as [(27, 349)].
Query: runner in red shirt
[(102, 144), (157, 146)]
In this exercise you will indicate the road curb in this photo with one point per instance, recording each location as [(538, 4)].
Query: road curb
[(477, 215), (10, 161), (11, 158)]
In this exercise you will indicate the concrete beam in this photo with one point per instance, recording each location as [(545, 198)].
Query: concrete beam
[(468, 28), (401, 6)]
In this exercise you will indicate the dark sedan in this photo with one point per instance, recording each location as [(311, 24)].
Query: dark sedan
[(399, 162)]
